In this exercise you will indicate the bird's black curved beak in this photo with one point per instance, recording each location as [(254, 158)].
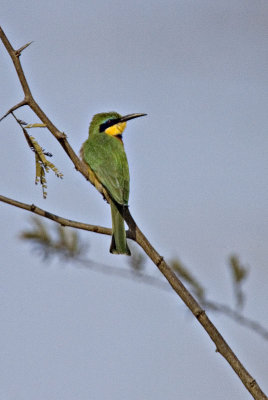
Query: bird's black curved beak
[(131, 116)]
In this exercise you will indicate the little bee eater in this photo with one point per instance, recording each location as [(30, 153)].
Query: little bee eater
[(104, 152)]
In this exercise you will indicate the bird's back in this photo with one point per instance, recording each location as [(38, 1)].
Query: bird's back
[(107, 158)]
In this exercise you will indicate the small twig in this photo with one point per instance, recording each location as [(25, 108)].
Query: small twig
[(124, 273), (10, 111), (237, 317), (42, 165), (28, 99), (60, 220)]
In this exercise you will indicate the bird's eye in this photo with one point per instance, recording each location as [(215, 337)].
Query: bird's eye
[(105, 125)]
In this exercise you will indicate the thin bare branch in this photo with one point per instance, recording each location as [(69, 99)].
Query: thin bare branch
[(28, 99), (10, 111), (53, 217), (237, 317), (221, 346)]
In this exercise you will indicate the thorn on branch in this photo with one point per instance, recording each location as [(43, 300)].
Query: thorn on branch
[(61, 135), (199, 313), (21, 122), (20, 50), (33, 207), (253, 383), (159, 261)]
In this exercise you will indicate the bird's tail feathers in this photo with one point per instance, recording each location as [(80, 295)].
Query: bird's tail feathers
[(119, 240)]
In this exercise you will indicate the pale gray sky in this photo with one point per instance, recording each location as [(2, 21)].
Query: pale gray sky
[(198, 165)]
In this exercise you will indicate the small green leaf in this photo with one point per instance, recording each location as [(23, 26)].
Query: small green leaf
[(37, 125), (42, 165), (239, 273), (51, 240), (185, 274)]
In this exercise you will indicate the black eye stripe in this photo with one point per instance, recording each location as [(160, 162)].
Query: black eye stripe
[(108, 123)]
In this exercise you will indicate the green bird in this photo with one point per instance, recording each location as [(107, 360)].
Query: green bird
[(104, 153)]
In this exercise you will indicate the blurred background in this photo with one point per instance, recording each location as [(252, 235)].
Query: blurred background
[(198, 166)]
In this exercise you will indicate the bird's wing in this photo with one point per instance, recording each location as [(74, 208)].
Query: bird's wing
[(107, 158)]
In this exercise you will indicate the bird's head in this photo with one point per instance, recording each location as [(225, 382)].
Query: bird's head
[(111, 123)]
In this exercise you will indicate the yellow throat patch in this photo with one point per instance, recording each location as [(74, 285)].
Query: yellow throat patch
[(116, 129)]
